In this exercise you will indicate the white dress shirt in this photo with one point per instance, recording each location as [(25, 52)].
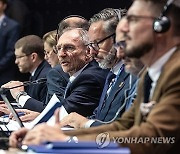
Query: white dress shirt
[(156, 68)]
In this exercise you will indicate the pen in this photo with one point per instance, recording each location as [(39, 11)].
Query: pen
[(7, 115)]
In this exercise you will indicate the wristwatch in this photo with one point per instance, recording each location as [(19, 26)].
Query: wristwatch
[(21, 93)]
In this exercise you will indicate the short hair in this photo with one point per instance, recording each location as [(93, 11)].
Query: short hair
[(82, 32), (50, 38), (63, 24), (112, 16), (30, 44)]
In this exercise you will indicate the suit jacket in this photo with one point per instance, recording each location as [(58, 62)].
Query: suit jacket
[(162, 121), (115, 100), (83, 94), (9, 34), (57, 80), (38, 91)]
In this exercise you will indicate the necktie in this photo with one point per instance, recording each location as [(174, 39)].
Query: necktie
[(147, 87), (107, 85), (65, 92)]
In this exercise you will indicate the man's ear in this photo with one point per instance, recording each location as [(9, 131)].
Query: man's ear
[(88, 53), (34, 56)]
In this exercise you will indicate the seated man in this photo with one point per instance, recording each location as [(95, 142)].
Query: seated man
[(29, 52)]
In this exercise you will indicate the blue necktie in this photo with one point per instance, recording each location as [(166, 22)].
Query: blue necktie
[(65, 92), (109, 78)]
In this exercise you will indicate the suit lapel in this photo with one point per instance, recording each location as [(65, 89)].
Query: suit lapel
[(38, 70), (169, 63), (3, 25), (119, 84)]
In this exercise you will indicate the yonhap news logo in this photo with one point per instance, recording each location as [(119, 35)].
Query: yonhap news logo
[(103, 140)]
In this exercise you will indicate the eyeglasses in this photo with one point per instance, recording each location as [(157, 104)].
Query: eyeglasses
[(95, 44), (120, 44), (65, 48), (18, 57), (48, 52), (135, 18)]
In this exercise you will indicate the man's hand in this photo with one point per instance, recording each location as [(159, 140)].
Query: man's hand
[(44, 132), (28, 115), (17, 136), (75, 120), (4, 109), (14, 91)]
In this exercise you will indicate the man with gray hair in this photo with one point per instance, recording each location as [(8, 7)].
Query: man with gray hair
[(102, 36), (86, 78)]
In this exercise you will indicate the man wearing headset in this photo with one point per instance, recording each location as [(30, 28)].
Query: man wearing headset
[(154, 121)]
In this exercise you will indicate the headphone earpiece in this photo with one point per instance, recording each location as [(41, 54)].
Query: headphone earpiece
[(162, 23)]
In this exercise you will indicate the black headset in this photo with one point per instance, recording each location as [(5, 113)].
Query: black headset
[(162, 23)]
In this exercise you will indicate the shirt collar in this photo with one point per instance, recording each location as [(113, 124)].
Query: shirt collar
[(33, 72), (74, 76), (116, 68), (155, 70)]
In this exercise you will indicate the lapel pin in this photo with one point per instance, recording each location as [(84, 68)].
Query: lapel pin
[(121, 84)]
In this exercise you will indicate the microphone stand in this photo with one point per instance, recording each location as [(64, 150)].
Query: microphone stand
[(26, 83)]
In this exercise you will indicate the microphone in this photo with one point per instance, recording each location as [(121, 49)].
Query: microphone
[(26, 83)]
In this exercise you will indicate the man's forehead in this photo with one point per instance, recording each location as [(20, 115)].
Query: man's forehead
[(119, 33), (72, 35), (18, 50), (96, 30), (140, 7)]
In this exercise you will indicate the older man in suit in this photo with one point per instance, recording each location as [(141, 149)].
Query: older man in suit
[(157, 119), (111, 104), (9, 33)]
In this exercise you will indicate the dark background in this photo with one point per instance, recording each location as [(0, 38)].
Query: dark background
[(41, 16)]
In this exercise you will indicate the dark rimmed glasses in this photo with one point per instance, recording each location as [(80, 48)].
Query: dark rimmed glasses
[(95, 44), (18, 57)]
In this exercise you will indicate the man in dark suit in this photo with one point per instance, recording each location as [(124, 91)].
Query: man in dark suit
[(112, 100), (9, 33), (86, 78), (29, 52), (147, 125), (57, 79)]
